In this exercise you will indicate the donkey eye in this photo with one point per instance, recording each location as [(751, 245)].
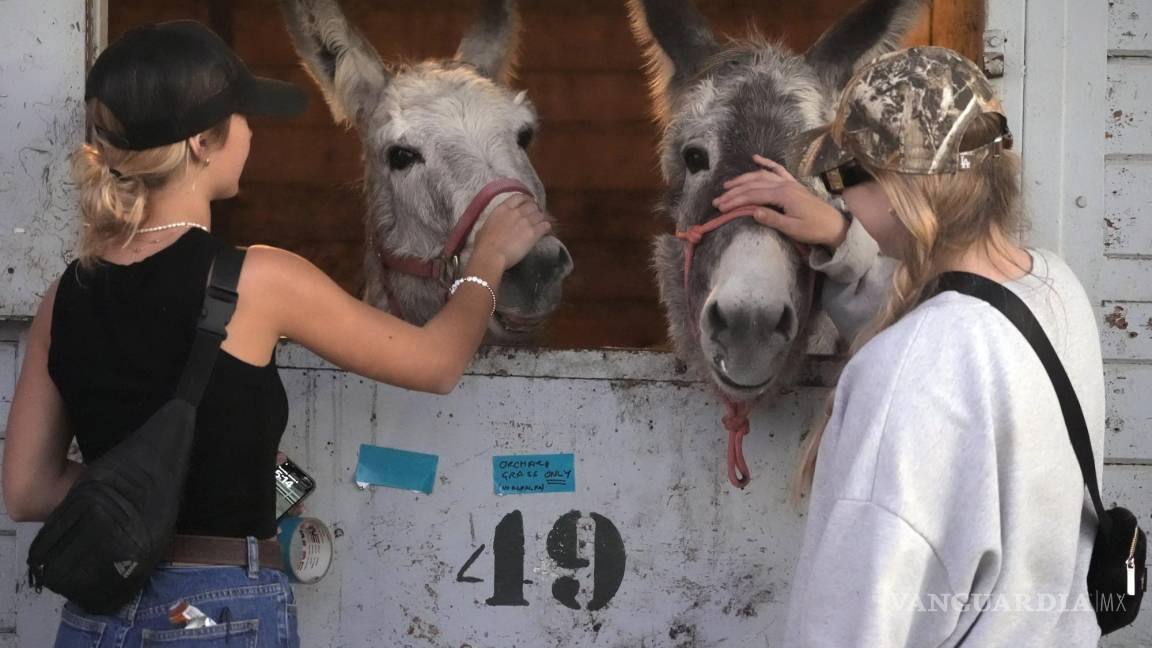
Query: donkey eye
[(524, 137), (400, 158), (696, 159)]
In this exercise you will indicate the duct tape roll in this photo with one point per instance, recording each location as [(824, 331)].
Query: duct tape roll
[(307, 547)]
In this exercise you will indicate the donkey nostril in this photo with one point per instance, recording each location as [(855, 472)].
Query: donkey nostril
[(563, 259), (784, 325), (716, 319)]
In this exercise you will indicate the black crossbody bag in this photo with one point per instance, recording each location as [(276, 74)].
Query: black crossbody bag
[(100, 545), (1117, 575)]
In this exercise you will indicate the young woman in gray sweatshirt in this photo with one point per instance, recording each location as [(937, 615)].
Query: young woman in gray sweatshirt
[(946, 506)]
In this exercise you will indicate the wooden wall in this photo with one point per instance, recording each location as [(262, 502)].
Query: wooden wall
[(596, 151)]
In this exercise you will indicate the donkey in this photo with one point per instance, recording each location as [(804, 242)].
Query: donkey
[(434, 133), (743, 320)]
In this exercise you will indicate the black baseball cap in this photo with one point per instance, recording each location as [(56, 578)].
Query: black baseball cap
[(166, 82)]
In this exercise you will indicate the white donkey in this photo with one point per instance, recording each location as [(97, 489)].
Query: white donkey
[(434, 133)]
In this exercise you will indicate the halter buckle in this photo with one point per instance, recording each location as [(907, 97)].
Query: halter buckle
[(451, 268)]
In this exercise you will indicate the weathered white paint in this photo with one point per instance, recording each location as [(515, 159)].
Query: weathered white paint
[(1063, 102), (1126, 332), (1130, 26), (1128, 201), (1128, 416), (1125, 286), (1129, 109), (42, 53), (705, 563), (701, 558)]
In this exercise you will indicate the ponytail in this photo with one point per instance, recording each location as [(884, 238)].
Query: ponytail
[(114, 183)]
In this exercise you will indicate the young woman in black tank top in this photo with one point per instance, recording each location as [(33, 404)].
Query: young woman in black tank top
[(167, 104)]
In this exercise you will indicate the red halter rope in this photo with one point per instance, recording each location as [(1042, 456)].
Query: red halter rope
[(736, 412), (446, 266)]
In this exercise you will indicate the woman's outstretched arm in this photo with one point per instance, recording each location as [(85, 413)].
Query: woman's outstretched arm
[(305, 305)]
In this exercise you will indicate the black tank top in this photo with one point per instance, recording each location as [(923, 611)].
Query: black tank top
[(120, 337)]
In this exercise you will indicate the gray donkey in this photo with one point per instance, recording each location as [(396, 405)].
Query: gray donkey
[(745, 318), (434, 133)]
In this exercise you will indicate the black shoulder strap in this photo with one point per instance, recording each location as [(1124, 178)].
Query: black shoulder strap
[(1017, 312), (219, 304)]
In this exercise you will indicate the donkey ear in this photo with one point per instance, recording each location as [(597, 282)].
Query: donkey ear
[(491, 43), (677, 42), (344, 64), (874, 27)]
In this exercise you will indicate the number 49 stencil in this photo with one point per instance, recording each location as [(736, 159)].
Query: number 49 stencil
[(508, 551)]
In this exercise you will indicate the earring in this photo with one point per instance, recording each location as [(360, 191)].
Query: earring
[(207, 161)]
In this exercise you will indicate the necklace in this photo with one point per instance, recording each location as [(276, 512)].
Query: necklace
[(157, 228)]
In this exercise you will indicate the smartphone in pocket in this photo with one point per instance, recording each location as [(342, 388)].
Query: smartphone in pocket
[(292, 486)]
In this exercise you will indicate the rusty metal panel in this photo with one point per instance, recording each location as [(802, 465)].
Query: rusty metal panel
[(1130, 25), (42, 53), (1128, 207), (1126, 330), (1129, 117), (1129, 419), (702, 563)]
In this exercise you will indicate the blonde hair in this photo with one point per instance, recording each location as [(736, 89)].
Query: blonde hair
[(114, 207), (944, 216)]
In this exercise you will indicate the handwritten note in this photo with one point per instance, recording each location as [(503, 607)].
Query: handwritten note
[(523, 474)]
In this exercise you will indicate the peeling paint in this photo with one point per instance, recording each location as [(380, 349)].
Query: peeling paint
[(1116, 318)]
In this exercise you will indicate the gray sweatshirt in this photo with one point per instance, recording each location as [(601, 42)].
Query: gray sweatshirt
[(947, 507)]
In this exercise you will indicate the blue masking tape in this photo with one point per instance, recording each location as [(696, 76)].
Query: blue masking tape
[(521, 474), (394, 468)]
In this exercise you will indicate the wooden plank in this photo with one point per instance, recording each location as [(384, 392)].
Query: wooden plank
[(398, 33), (1129, 122), (594, 157), (625, 323), (1129, 25), (265, 211), (1126, 330), (959, 25), (1128, 206), (617, 215), (296, 154), (123, 16), (588, 95), (1129, 419), (630, 277)]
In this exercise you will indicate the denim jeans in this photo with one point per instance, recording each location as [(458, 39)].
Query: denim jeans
[(253, 607)]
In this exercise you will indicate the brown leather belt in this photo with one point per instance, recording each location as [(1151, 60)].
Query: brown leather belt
[(211, 550)]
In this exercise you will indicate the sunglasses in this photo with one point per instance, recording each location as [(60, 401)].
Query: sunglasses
[(846, 175)]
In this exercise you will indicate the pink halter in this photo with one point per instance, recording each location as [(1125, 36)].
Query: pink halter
[(446, 266), (736, 413)]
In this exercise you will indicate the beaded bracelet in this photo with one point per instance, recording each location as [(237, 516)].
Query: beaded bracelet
[(476, 280)]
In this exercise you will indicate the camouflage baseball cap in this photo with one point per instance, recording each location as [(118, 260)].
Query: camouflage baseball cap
[(906, 111)]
